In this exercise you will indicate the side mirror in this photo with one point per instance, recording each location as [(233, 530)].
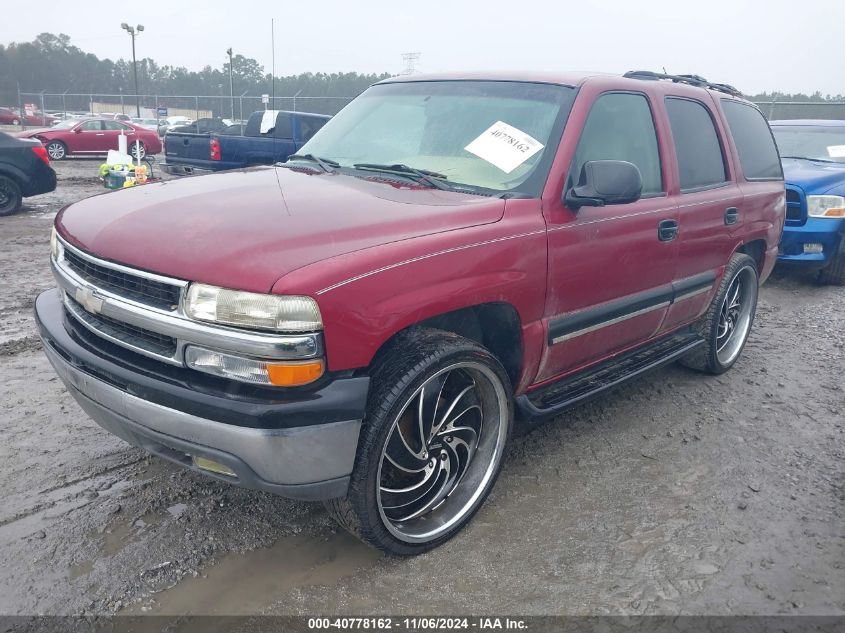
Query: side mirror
[(77, 130), (604, 182)]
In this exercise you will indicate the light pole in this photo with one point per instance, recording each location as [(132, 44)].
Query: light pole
[(231, 84), (132, 31)]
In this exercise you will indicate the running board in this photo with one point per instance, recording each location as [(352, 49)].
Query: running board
[(577, 388)]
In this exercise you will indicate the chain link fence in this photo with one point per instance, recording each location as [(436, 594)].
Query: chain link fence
[(780, 110), (154, 106)]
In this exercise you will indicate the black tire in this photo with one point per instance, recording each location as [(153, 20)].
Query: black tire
[(11, 198), (834, 273), (56, 150), (417, 358), (708, 358), (141, 150)]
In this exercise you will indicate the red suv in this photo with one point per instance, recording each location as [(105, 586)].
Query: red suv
[(363, 324)]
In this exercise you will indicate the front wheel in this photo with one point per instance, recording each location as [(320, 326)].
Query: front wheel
[(11, 198), (726, 325), (834, 273), (56, 150), (438, 420)]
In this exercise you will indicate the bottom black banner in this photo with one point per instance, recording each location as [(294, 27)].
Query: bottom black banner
[(423, 624)]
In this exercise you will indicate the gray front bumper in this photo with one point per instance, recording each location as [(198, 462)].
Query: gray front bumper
[(309, 463)]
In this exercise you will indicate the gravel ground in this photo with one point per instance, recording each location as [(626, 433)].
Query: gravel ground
[(676, 494)]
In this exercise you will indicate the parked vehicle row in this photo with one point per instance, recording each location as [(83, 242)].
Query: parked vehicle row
[(10, 116), (363, 323)]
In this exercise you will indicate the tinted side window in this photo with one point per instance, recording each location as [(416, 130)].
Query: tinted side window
[(308, 127), (620, 127), (758, 154), (89, 126), (700, 160), (283, 126)]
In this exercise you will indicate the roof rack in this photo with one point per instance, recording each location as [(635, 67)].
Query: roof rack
[(692, 80)]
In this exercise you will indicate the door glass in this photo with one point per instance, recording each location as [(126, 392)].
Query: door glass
[(91, 126), (620, 127), (700, 161)]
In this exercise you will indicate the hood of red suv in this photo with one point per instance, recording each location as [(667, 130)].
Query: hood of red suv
[(248, 228)]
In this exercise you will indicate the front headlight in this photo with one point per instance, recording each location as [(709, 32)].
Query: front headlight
[(826, 206), (54, 244), (252, 310)]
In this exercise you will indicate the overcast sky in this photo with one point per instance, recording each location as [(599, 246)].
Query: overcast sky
[(756, 45)]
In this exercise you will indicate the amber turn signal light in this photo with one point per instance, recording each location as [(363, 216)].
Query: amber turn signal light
[(295, 374)]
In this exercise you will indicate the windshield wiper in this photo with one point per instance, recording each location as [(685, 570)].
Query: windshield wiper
[(818, 160), (431, 178), (326, 164)]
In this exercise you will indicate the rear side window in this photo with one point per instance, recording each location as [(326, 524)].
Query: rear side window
[(308, 127), (700, 161), (620, 127), (283, 126), (757, 151)]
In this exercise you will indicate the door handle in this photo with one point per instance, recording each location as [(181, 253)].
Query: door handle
[(731, 215), (667, 230)]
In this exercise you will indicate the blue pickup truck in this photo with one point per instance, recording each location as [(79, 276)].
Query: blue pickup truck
[(813, 156), (269, 136)]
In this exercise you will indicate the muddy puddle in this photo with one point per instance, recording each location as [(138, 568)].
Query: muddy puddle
[(243, 584)]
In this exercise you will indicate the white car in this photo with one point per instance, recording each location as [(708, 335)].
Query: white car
[(149, 124)]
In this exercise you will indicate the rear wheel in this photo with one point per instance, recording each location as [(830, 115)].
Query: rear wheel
[(834, 273), (726, 325), (10, 196), (138, 152), (56, 150), (16, 121), (431, 445)]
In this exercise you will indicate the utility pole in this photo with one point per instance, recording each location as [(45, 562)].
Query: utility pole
[(133, 30), (231, 83), (410, 62)]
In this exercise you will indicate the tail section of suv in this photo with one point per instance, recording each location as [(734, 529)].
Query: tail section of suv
[(448, 254)]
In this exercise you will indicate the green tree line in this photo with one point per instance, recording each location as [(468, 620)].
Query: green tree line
[(51, 63)]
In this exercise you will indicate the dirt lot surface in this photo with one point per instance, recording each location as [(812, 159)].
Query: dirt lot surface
[(678, 493)]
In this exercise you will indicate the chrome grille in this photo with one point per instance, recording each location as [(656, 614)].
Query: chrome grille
[(143, 341), (134, 287)]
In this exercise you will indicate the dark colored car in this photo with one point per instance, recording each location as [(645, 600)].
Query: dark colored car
[(362, 324), (813, 153), (268, 137), (24, 171), (93, 136)]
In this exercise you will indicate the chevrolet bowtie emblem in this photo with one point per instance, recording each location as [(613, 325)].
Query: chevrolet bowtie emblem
[(89, 300)]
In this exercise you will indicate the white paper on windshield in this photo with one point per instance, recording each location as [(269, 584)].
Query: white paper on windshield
[(504, 146), (836, 151)]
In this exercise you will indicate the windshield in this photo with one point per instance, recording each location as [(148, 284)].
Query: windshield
[(493, 135), (811, 141)]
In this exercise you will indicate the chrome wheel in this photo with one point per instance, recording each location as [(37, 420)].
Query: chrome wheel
[(442, 451), (735, 315), (56, 151), (138, 152)]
